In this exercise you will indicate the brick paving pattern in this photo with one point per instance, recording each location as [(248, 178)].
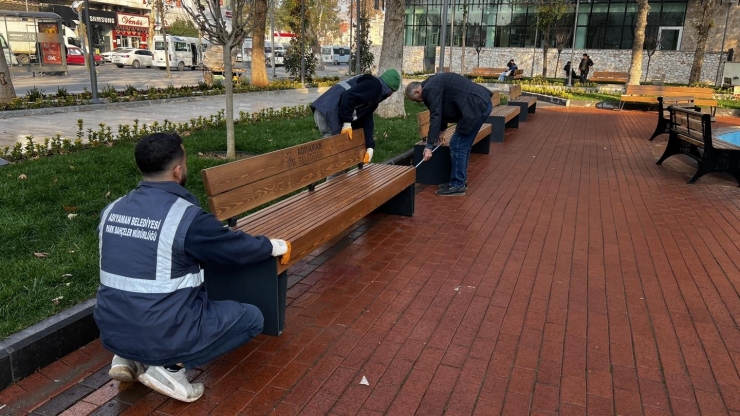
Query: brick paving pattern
[(576, 277)]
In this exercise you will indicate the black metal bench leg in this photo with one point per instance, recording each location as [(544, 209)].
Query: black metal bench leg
[(258, 284), (513, 123), (523, 109), (483, 146), (533, 108), (435, 170), (661, 128), (672, 148), (401, 204), (703, 169)]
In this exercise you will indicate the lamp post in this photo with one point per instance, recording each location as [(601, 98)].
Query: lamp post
[(573, 46), (89, 55), (303, 43), (443, 36), (722, 50), (358, 40)]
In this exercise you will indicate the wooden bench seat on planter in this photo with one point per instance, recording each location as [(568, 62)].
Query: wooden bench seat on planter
[(437, 170), (485, 72), (690, 131), (527, 105), (502, 116), (610, 77), (648, 94), (307, 219)]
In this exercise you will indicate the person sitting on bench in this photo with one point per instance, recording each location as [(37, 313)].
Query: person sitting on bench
[(570, 71), (152, 307), (510, 72)]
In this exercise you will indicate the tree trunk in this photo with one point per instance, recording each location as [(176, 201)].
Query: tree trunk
[(160, 7), (545, 49), (229, 85), (258, 68), (703, 24), (7, 92), (647, 70), (639, 41), (391, 56), (152, 24), (557, 63)]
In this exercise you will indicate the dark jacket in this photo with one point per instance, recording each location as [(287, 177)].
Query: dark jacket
[(152, 304), (452, 98), (355, 105), (585, 65)]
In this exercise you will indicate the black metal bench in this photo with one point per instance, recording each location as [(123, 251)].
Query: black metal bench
[(690, 133), (664, 116), (307, 219)]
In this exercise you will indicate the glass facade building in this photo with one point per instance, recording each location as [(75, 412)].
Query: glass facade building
[(602, 24)]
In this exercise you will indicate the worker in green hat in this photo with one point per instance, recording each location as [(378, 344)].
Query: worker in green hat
[(350, 104)]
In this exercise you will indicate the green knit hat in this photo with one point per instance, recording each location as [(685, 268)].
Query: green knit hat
[(392, 78)]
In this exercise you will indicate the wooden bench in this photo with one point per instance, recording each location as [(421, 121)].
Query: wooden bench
[(528, 105), (485, 72), (518, 74), (658, 80), (502, 117), (690, 131), (437, 170), (648, 94), (664, 116), (307, 219), (444, 69), (610, 77)]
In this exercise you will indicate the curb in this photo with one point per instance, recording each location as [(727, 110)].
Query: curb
[(39, 345), (128, 104)]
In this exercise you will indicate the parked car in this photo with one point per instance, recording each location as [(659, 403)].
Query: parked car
[(76, 57), (136, 58), (108, 56)]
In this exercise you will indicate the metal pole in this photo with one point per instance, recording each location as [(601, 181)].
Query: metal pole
[(722, 50), (358, 40), (452, 31), (91, 56), (443, 36), (534, 50), (303, 42), (573, 46), (351, 19)]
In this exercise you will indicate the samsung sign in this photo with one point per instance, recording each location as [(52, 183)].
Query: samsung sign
[(102, 17)]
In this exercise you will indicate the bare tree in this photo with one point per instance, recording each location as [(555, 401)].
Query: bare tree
[(391, 56), (548, 13), (652, 40), (226, 26), (637, 44), (562, 37), (464, 36), (7, 92), (703, 22), (163, 7)]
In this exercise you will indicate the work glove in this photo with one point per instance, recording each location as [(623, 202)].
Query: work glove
[(347, 128), (368, 155), (281, 248)]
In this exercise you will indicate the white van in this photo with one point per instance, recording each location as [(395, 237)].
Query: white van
[(280, 50), (335, 54), (183, 51)]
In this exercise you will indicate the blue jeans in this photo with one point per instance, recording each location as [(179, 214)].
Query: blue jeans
[(460, 150), (246, 328)]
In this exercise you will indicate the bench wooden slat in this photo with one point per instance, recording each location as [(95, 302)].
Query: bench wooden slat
[(322, 222), (508, 112), (663, 91), (423, 121), (238, 200), (614, 77), (235, 174)]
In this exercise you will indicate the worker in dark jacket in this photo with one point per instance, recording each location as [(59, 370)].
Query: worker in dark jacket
[(350, 104), (452, 98), (152, 307)]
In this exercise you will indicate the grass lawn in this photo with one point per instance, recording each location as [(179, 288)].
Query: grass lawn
[(50, 261)]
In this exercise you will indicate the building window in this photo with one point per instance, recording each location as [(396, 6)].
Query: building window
[(602, 24)]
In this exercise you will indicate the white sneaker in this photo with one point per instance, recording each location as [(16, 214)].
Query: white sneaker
[(125, 370), (175, 385)]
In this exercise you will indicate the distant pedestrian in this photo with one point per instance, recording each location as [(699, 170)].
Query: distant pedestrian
[(510, 69), (570, 72), (585, 66)]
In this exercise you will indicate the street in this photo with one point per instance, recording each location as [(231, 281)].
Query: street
[(119, 78)]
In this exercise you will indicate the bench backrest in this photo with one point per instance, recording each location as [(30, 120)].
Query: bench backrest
[(607, 74), (692, 125), (496, 99), (237, 187), (519, 73), (685, 102), (515, 91), (486, 72), (445, 69), (663, 91)]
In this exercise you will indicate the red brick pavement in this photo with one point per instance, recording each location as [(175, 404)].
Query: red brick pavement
[(575, 277)]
